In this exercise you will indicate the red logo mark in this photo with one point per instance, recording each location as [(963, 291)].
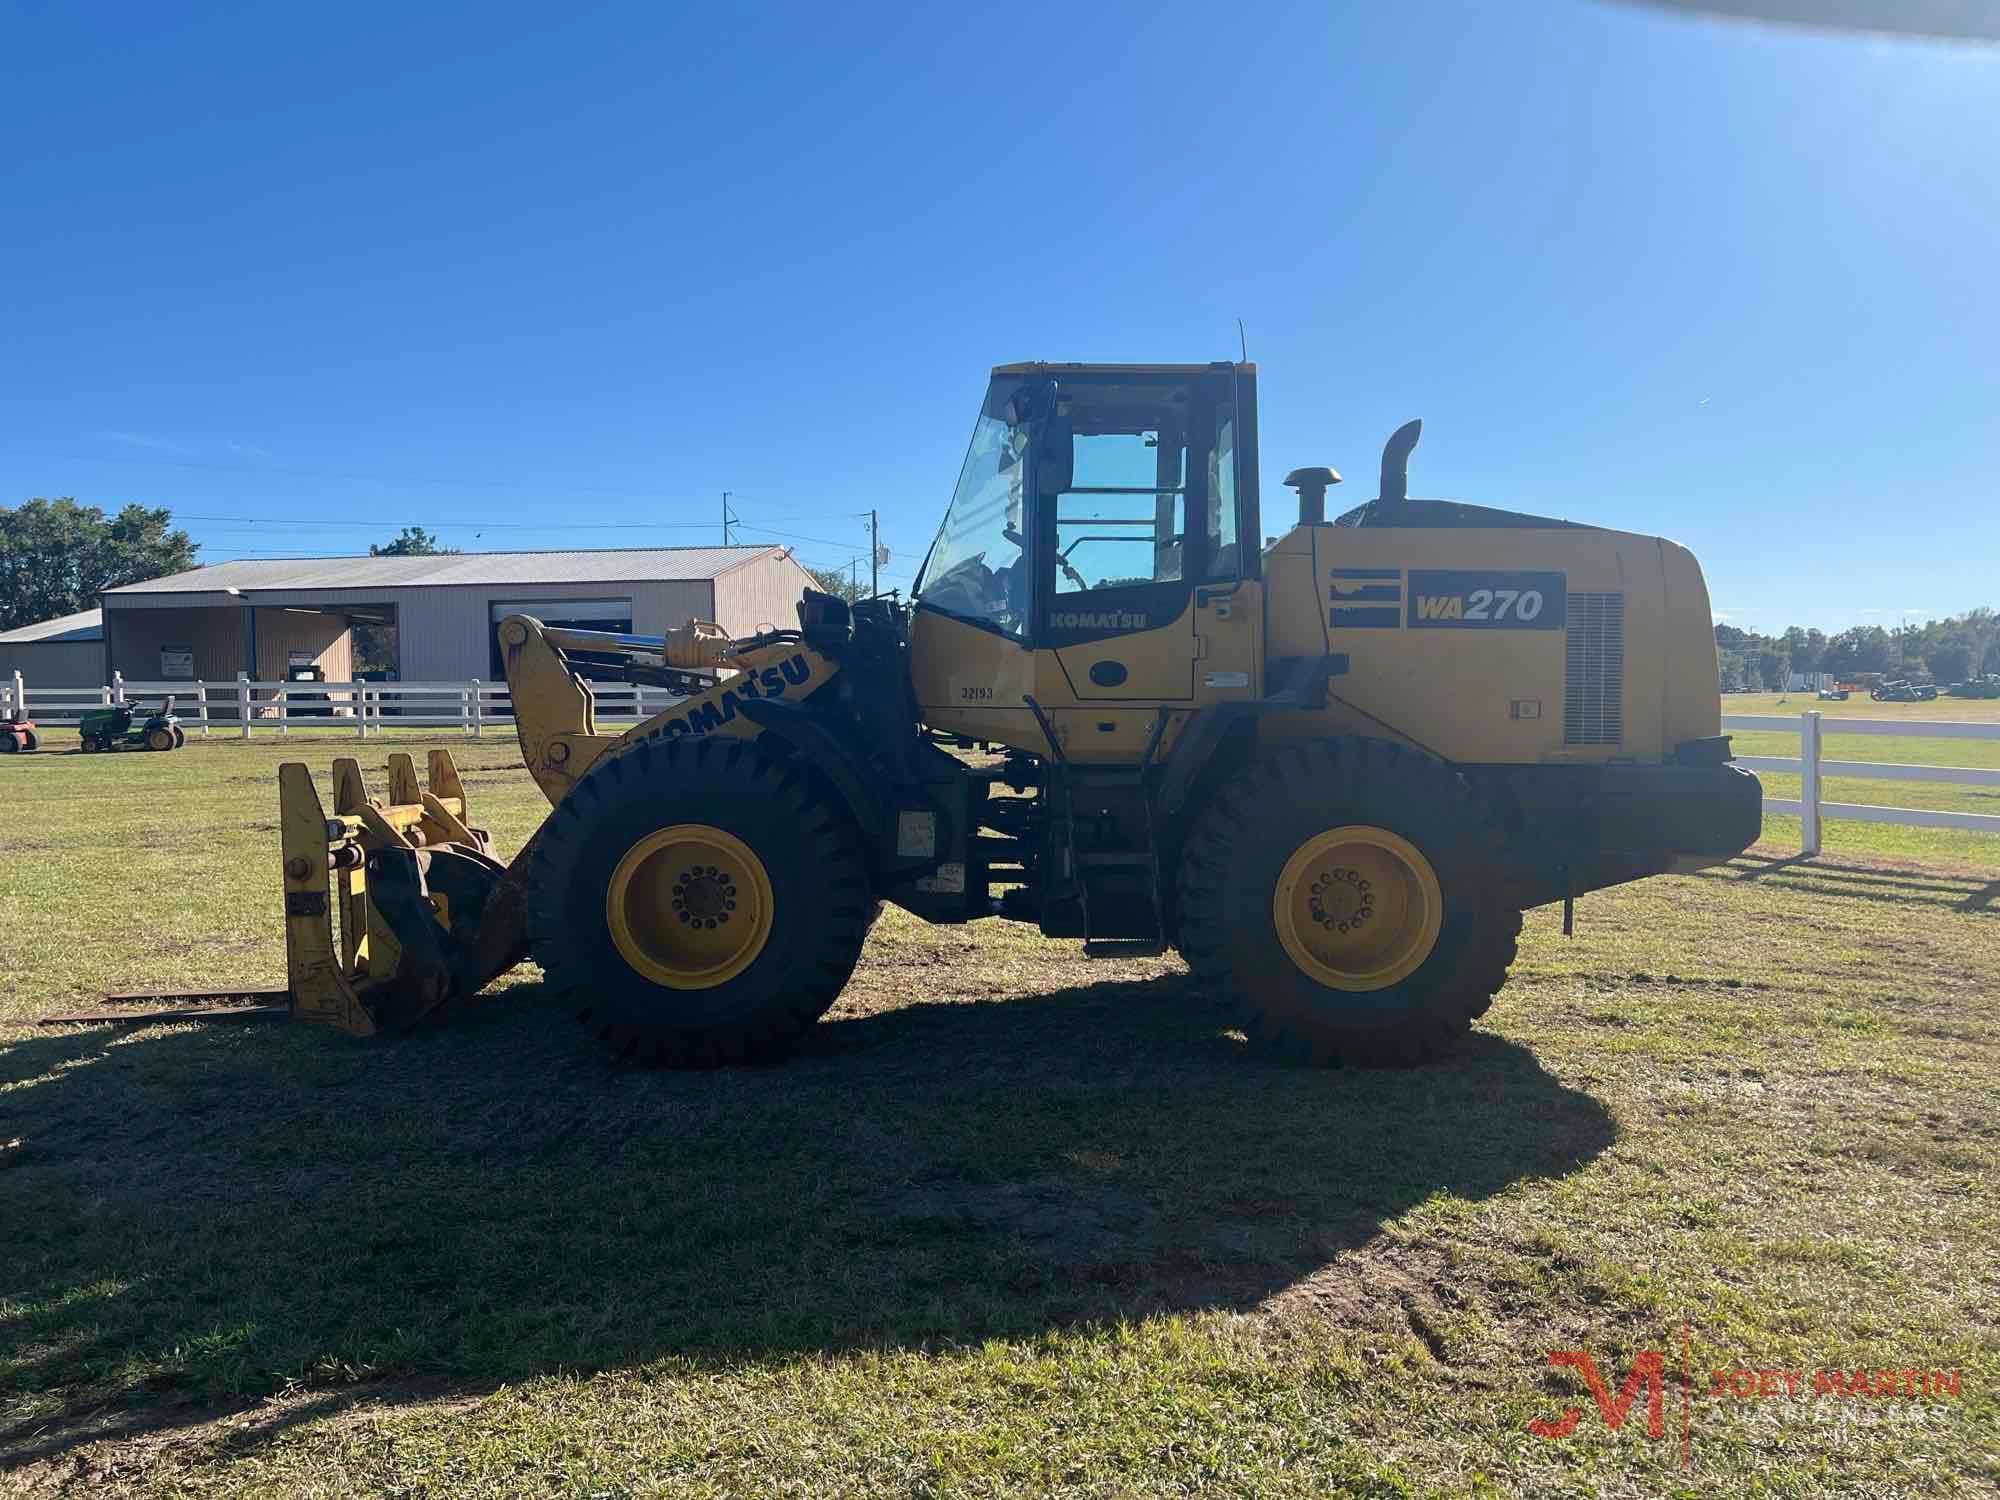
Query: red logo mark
[(1648, 1370)]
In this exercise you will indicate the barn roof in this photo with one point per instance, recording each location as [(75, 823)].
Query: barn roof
[(84, 625), (606, 565)]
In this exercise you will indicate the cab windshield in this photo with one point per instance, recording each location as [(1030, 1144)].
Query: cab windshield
[(977, 569)]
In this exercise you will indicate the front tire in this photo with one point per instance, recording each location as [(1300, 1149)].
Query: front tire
[(701, 899), (1344, 894)]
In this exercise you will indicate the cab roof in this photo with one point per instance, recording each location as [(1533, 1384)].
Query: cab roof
[(1045, 367)]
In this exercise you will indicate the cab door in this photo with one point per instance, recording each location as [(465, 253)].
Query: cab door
[(1119, 587), (1114, 633), (1147, 575)]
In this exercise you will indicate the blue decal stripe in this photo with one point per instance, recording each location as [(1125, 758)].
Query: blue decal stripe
[(1366, 618)]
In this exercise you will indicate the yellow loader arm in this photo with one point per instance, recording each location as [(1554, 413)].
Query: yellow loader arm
[(555, 710)]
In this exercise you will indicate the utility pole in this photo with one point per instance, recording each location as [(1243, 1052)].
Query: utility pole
[(728, 520), (874, 556), (854, 575)]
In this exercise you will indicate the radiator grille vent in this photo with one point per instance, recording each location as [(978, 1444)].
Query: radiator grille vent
[(1594, 672)]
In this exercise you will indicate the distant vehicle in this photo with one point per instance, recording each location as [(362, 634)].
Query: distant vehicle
[(301, 703), (1977, 687), (120, 728), (1903, 692), (17, 734), (1833, 695)]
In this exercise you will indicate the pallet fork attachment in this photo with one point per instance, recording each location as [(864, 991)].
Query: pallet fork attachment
[(396, 907), (389, 905), (393, 907)]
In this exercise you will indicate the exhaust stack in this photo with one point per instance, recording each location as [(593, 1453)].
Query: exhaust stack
[(1396, 465)]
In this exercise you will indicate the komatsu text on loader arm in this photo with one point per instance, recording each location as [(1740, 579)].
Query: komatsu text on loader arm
[(1330, 770)]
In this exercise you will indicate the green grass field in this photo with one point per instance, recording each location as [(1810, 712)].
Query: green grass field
[(1018, 1224)]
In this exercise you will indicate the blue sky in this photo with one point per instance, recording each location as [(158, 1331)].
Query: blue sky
[(545, 275)]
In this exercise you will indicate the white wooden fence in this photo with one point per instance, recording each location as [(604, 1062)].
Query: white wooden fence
[(246, 707), (1812, 766)]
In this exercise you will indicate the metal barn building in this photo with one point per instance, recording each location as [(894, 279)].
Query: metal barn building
[(268, 617), (67, 652)]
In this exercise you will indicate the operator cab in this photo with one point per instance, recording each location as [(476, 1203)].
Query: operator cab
[(1095, 498)]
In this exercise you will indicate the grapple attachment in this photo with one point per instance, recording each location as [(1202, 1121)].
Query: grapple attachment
[(393, 908)]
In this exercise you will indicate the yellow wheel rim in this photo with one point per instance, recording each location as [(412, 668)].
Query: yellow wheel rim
[(689, 906), (1358, 908)]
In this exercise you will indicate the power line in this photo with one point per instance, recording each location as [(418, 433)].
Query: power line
[(295, 471), (292, 471), (454, 525), (825, 541)]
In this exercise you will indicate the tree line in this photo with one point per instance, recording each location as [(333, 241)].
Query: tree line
[(56, 556), (1946, 651)]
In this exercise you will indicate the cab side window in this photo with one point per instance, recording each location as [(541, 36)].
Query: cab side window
[(1123, 519), (1224, 556)]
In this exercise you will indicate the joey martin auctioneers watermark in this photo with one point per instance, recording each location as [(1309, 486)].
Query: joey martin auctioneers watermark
[(1838, 1399)]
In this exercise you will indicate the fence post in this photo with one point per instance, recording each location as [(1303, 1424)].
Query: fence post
[(117, 687), (201, 705), (360, 709), (478, 707), (243, 701), (20, 696), (104, 695), (1809, 783)]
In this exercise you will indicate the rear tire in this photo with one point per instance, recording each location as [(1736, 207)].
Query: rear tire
[(160, 739), (180, 737), (8, 743), (1272, 880), (30, 740), (700, 899)]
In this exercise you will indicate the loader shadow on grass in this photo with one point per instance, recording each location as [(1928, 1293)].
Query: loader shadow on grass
[(202, 1216)]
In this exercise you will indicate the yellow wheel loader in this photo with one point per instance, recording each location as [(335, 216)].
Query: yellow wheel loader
[(1331, 771)]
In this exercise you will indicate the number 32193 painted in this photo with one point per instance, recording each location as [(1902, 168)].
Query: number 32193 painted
[(1466, 599)]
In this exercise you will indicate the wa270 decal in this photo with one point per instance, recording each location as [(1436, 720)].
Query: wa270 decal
[(1481, 600)]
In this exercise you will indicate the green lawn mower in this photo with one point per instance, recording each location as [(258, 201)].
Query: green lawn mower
[(119, 727)]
